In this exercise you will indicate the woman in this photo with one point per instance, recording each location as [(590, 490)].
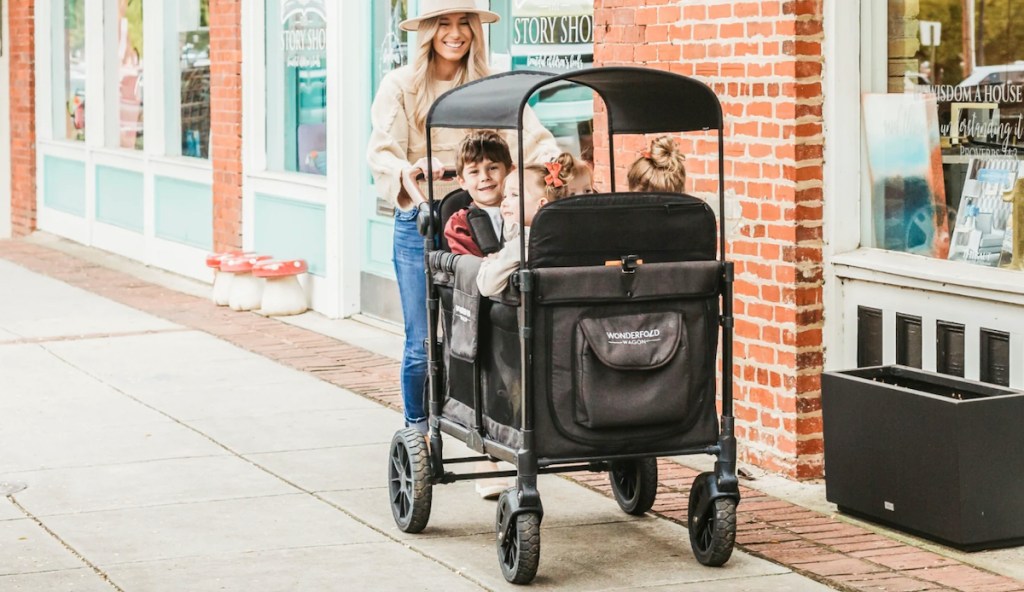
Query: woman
[(451, 51)]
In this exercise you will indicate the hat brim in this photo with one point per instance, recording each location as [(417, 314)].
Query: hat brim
[(412, 25)]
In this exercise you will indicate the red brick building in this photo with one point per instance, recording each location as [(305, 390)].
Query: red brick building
[(764, 59)]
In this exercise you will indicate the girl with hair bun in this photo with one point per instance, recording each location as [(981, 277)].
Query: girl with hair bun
[(662, 168)]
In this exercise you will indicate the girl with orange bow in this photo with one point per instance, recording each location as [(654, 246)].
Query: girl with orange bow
[(543, 183)]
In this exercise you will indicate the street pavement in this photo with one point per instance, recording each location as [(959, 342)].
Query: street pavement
[(156, 457)]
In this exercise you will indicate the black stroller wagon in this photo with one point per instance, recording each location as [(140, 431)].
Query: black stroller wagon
[(601, 356)]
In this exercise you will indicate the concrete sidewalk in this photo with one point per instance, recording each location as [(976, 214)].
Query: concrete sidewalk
[(156, 457), (305, 460)]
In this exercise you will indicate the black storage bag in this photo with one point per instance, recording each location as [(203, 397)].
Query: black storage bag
[(631, 370)]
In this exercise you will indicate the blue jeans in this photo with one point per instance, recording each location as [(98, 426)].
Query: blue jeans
[(412, 289)]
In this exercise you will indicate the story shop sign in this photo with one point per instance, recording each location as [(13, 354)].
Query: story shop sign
[(304, 33), (563, 30)]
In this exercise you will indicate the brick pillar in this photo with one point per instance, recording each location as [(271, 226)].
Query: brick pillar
[(21, 14), (764, 60), (226, 121), (904, 43)]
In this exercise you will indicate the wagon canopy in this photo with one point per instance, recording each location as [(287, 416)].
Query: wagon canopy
[(638, 100)]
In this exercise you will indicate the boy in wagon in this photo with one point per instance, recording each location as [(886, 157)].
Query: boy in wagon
[(482, 163)]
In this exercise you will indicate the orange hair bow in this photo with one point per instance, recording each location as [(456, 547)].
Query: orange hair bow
[(554, 170), (646, 154)]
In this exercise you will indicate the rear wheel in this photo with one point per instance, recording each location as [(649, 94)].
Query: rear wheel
[(519, 544), (713, 535), (409, 487), (635, 484)]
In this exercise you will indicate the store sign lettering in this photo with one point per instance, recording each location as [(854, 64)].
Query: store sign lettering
[(304, 33), (992, 93), (305, 48), (555, 62), (312, 39), (1003, 131), (553, 30)]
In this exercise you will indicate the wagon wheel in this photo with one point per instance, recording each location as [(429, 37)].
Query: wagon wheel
[(713, 536), (519, 545), (635, 484), (409, 487)]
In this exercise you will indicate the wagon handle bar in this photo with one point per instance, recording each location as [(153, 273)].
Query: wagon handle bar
[(412, 187)]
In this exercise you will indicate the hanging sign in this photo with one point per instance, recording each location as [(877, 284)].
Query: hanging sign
[(553, 30), (304, 33), (553, 35)]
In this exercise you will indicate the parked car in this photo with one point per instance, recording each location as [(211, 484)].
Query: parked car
[(996, 74)]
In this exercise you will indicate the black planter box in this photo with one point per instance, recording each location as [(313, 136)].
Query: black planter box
[(935, 455)]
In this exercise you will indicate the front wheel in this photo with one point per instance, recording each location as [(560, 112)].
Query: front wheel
[(409, 487), (519, 544), (635, 484), (713, 535)]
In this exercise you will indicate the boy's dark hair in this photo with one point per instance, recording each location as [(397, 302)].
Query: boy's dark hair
[(479, 145)]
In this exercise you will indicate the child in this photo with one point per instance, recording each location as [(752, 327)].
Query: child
[(562, 177), (544, 184), (482, 163), (662, 168)]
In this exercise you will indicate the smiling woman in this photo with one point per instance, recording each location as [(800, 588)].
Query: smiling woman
[(451, 51)]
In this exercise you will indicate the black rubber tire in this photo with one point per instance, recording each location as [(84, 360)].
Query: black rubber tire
[(519, 550), (713, 542), (409, 488), (635, 484)]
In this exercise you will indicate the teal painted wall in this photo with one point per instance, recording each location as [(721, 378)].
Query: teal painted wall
[(380, 235), (289, 229), (184, 212), (119, 198), (64, 185)]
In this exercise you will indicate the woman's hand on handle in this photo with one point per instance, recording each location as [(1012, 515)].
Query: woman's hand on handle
[(421, 167), (412, 175)]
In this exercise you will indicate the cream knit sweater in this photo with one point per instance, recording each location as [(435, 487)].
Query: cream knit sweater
[(396, 143)]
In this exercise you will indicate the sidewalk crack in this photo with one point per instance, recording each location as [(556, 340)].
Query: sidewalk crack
[(95, 568)]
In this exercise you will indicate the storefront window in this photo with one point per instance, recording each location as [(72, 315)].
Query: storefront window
[(946, 143), (297, 86), (74, 69), (390, 51), (391, 47), (130, 61), (194, 52), (557, 37)]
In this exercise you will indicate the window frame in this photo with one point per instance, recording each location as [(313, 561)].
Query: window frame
[(58, 98), (846, 205), (262, 164)]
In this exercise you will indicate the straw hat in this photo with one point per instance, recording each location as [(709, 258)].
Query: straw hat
[(434, 8)]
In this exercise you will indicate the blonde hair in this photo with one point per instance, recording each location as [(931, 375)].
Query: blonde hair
[(474, 65), (570, 167), (663, 168)]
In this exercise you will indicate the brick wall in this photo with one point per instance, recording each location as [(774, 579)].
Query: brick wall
[(764, 60), (226, 121), (21, 15)]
